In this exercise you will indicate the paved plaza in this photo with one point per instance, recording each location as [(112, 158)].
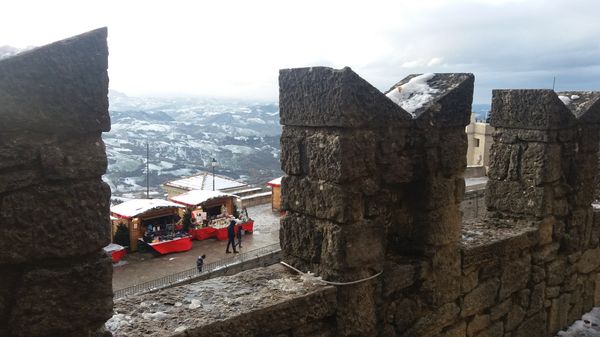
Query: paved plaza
[(138, 267)]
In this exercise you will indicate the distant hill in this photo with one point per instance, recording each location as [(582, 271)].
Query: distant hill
[(184, 134)]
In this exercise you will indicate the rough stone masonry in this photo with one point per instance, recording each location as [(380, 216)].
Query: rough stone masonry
[(54, 207)]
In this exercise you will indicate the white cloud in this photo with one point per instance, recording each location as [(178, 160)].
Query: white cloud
[(220, 48)]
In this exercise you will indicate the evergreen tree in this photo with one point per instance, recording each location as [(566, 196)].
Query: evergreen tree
[(187, 220), (122, 235)]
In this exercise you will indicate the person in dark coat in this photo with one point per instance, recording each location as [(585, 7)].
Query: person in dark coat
[(239, 235), (200, 262), (231, 236)]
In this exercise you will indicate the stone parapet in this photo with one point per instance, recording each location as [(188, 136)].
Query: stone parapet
[(54, 206), (266, 302)]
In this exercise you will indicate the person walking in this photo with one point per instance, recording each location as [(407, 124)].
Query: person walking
[(239, 235), (200, 262), (231, 236)]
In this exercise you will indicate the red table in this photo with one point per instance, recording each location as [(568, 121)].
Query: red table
[(117, 255), (203, 233), (115, 251), (218, 233), (248, 226), (222, 234), (172, 246)]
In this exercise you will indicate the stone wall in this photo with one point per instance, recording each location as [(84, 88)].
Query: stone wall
[(53, 204)]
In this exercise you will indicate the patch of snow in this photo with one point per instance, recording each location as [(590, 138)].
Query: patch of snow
[(256, 120), (414, 94), (574, 97), (117, 321), (180, 328), (155, 316), (195, 304), (285, 284), (566, 100), (171, 259)]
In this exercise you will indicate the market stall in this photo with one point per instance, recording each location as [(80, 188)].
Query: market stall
[(211, 213), (276, 195), (151, 222)]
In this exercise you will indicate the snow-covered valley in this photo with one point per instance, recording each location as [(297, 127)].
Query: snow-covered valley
[(183, 135)]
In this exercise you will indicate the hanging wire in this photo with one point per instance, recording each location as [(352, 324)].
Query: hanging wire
[(331, 282)]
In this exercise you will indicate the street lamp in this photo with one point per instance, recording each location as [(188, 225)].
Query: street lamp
[(213, 163)]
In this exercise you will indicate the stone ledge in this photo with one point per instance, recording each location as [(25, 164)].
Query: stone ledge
[(261, 301), (483, 241)]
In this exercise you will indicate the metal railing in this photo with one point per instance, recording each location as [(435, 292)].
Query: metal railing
[(190, 274)]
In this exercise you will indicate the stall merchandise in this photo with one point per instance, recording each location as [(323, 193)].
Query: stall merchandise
[(169, 244)]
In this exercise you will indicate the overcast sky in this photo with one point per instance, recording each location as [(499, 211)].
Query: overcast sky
[(235, 48)]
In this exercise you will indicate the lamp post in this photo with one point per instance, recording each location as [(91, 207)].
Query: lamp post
[(213, 163)]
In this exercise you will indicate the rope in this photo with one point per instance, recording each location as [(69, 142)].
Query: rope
[(331, 282)]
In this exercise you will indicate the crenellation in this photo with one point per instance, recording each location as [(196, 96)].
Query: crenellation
[(56, 280)]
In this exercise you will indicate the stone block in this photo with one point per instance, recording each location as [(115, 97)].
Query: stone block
[(516, 198), (483, 296), (408, 310), (19, 179), (322, 200), (515, 276), (495, 330), (536, 301), (504, 160), (74, 158), (54, 221), (443, 278), (64, 300), (535, 109), (515, 317), (397, 277), (597, 290), (452, 152), (436, 192), (431, 324), (352, 322), (469, 281), (458, 330), (355, 246), (320, 96), (545, 253), (558, 313), (20, 149), (436, 227), (293, 152), (501, 309), (340, 156), (555, 272), (60, 88), (545, 231), (589, 261), (9, 282), (450, 103), (302, 237), (534, 326), (478, 323)]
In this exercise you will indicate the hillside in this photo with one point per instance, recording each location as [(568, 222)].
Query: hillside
[(183, 135)]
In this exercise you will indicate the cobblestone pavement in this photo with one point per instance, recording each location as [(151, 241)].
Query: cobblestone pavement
[(138, 268), (587, 326)]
